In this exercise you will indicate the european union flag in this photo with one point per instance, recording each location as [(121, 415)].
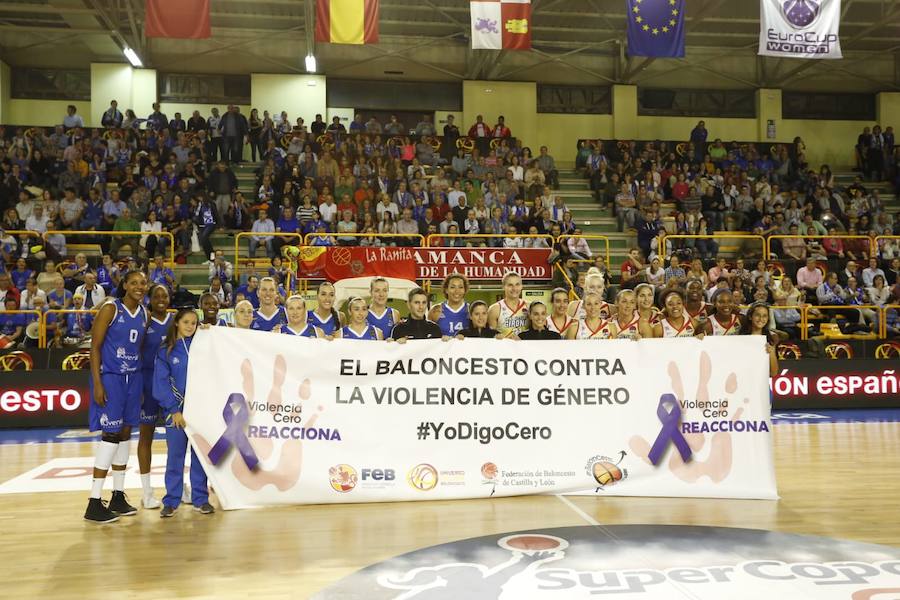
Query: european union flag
[(656, 28)]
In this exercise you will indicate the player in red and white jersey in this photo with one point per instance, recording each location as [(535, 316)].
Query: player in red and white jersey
[(650, 315), (510, 314), (695, 305), (627, 320), (725, 320), (596, 284), (674, 322), (593, 326), (559, 319)]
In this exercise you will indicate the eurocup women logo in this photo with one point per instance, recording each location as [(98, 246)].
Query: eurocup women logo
[(801, 13)]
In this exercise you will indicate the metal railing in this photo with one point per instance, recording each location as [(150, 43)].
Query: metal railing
[(781, 236), (880, 312), (714, 236), (35, 314), (484, 236), (248, 234), (601, 238), (60, 312), (114, 234), (877, 242)]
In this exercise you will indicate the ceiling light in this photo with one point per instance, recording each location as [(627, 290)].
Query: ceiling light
[(132, 57)]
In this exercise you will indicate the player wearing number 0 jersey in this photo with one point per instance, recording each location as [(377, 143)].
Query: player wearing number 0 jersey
[(452, 315), (381, 316), (115, 407), (509, 315), (559, 319)]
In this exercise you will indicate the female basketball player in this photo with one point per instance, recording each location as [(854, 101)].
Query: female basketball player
[(381, 316), (695, 301), (674, 323), (537, 324), (627, 320), (116, 339), (270, 315), (452, 314), (297, 323), (478, 316), (324, 316), (157, 327), (209, 307), (358, 327), (724, 320), (649, 314), (559, 319), (169, 383), (757, 323), (243, 314), (509, 315), (593, 326), (596, 284)]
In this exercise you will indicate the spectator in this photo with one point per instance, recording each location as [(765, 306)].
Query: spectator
[(91, 293), (234, 128), (548, 166), (263, 224), (870, 272), (698, 140), (112, 118)]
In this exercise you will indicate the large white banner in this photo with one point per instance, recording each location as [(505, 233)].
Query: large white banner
[(800, 28), (282, 419)]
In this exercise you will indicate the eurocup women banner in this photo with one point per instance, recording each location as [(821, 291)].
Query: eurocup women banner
[(280, 419), (800, 28)]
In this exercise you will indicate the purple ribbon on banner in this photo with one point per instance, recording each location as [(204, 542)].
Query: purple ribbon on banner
[(669, 413), (236, 415)]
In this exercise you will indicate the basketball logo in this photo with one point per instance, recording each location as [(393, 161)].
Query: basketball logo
[(489, 471), (531, 543), (423, 477), (790, 351), (16, 361), (888, 350), (839, 350), (343, 478), (606, 473), (77, 361), (341, 257)]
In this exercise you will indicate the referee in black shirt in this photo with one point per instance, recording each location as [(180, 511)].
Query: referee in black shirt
[(416, 326)]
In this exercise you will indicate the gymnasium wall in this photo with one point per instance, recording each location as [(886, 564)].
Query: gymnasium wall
[(304, 95)]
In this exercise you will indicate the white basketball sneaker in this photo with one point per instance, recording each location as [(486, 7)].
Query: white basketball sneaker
[(150, 502)]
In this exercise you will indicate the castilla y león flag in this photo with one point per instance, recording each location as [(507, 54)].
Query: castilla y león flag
[(177, 19), (347, 21), (501, 24)]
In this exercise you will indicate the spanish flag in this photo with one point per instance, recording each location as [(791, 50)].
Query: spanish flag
[(347, 21)]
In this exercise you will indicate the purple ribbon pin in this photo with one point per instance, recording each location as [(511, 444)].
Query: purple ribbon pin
[(236, 415), (669, 413)]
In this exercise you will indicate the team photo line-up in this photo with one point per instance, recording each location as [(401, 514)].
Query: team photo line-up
[(140, 351)]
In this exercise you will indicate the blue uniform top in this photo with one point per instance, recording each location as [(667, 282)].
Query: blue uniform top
[(308, 331), (452, 322), (104, 278), (156, 337), (329, 325), (170, 375), (19, 278), (121, 352), (385, 322), (262, 323), (9, 323), (368, 334)]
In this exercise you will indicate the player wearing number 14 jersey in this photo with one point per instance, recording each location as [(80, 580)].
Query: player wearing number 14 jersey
[(452, 315)]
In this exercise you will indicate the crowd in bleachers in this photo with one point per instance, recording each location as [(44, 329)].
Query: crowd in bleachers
[(373, 183)]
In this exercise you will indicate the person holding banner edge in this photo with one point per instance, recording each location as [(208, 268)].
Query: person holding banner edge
[(537, 324), (416, 326), (477, 328), (169, 383)]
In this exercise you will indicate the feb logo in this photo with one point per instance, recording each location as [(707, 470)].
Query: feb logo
[(801, 13), (422, 477), (343, 478)]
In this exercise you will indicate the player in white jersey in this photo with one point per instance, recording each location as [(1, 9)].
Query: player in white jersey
[(559, 319), (725, 320), (509, 315), (627, 320), (645, 296), (593, 326), (674, 323), (596, 284)]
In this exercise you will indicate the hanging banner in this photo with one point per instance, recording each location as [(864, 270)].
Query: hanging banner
[(290, 420), (800, 28)]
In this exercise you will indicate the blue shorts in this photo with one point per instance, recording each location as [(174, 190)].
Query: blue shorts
[(150, 408), (123, 403)]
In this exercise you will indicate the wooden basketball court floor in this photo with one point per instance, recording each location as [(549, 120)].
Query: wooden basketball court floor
[(839, 480)]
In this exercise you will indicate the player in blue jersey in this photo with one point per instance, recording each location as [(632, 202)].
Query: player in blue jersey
[(116, 339), (452, 315), (269, 315), (358, 327), (157, 327), (297, 323), (325, 317), (209, 309), (243, 315), (381, 316)]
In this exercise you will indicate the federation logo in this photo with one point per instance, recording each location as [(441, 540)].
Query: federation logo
[(423, 477), (801, 13), (606, 471), (343, 478), (489, 473)]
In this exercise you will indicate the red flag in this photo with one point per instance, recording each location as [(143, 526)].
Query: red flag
[(177, 19)]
